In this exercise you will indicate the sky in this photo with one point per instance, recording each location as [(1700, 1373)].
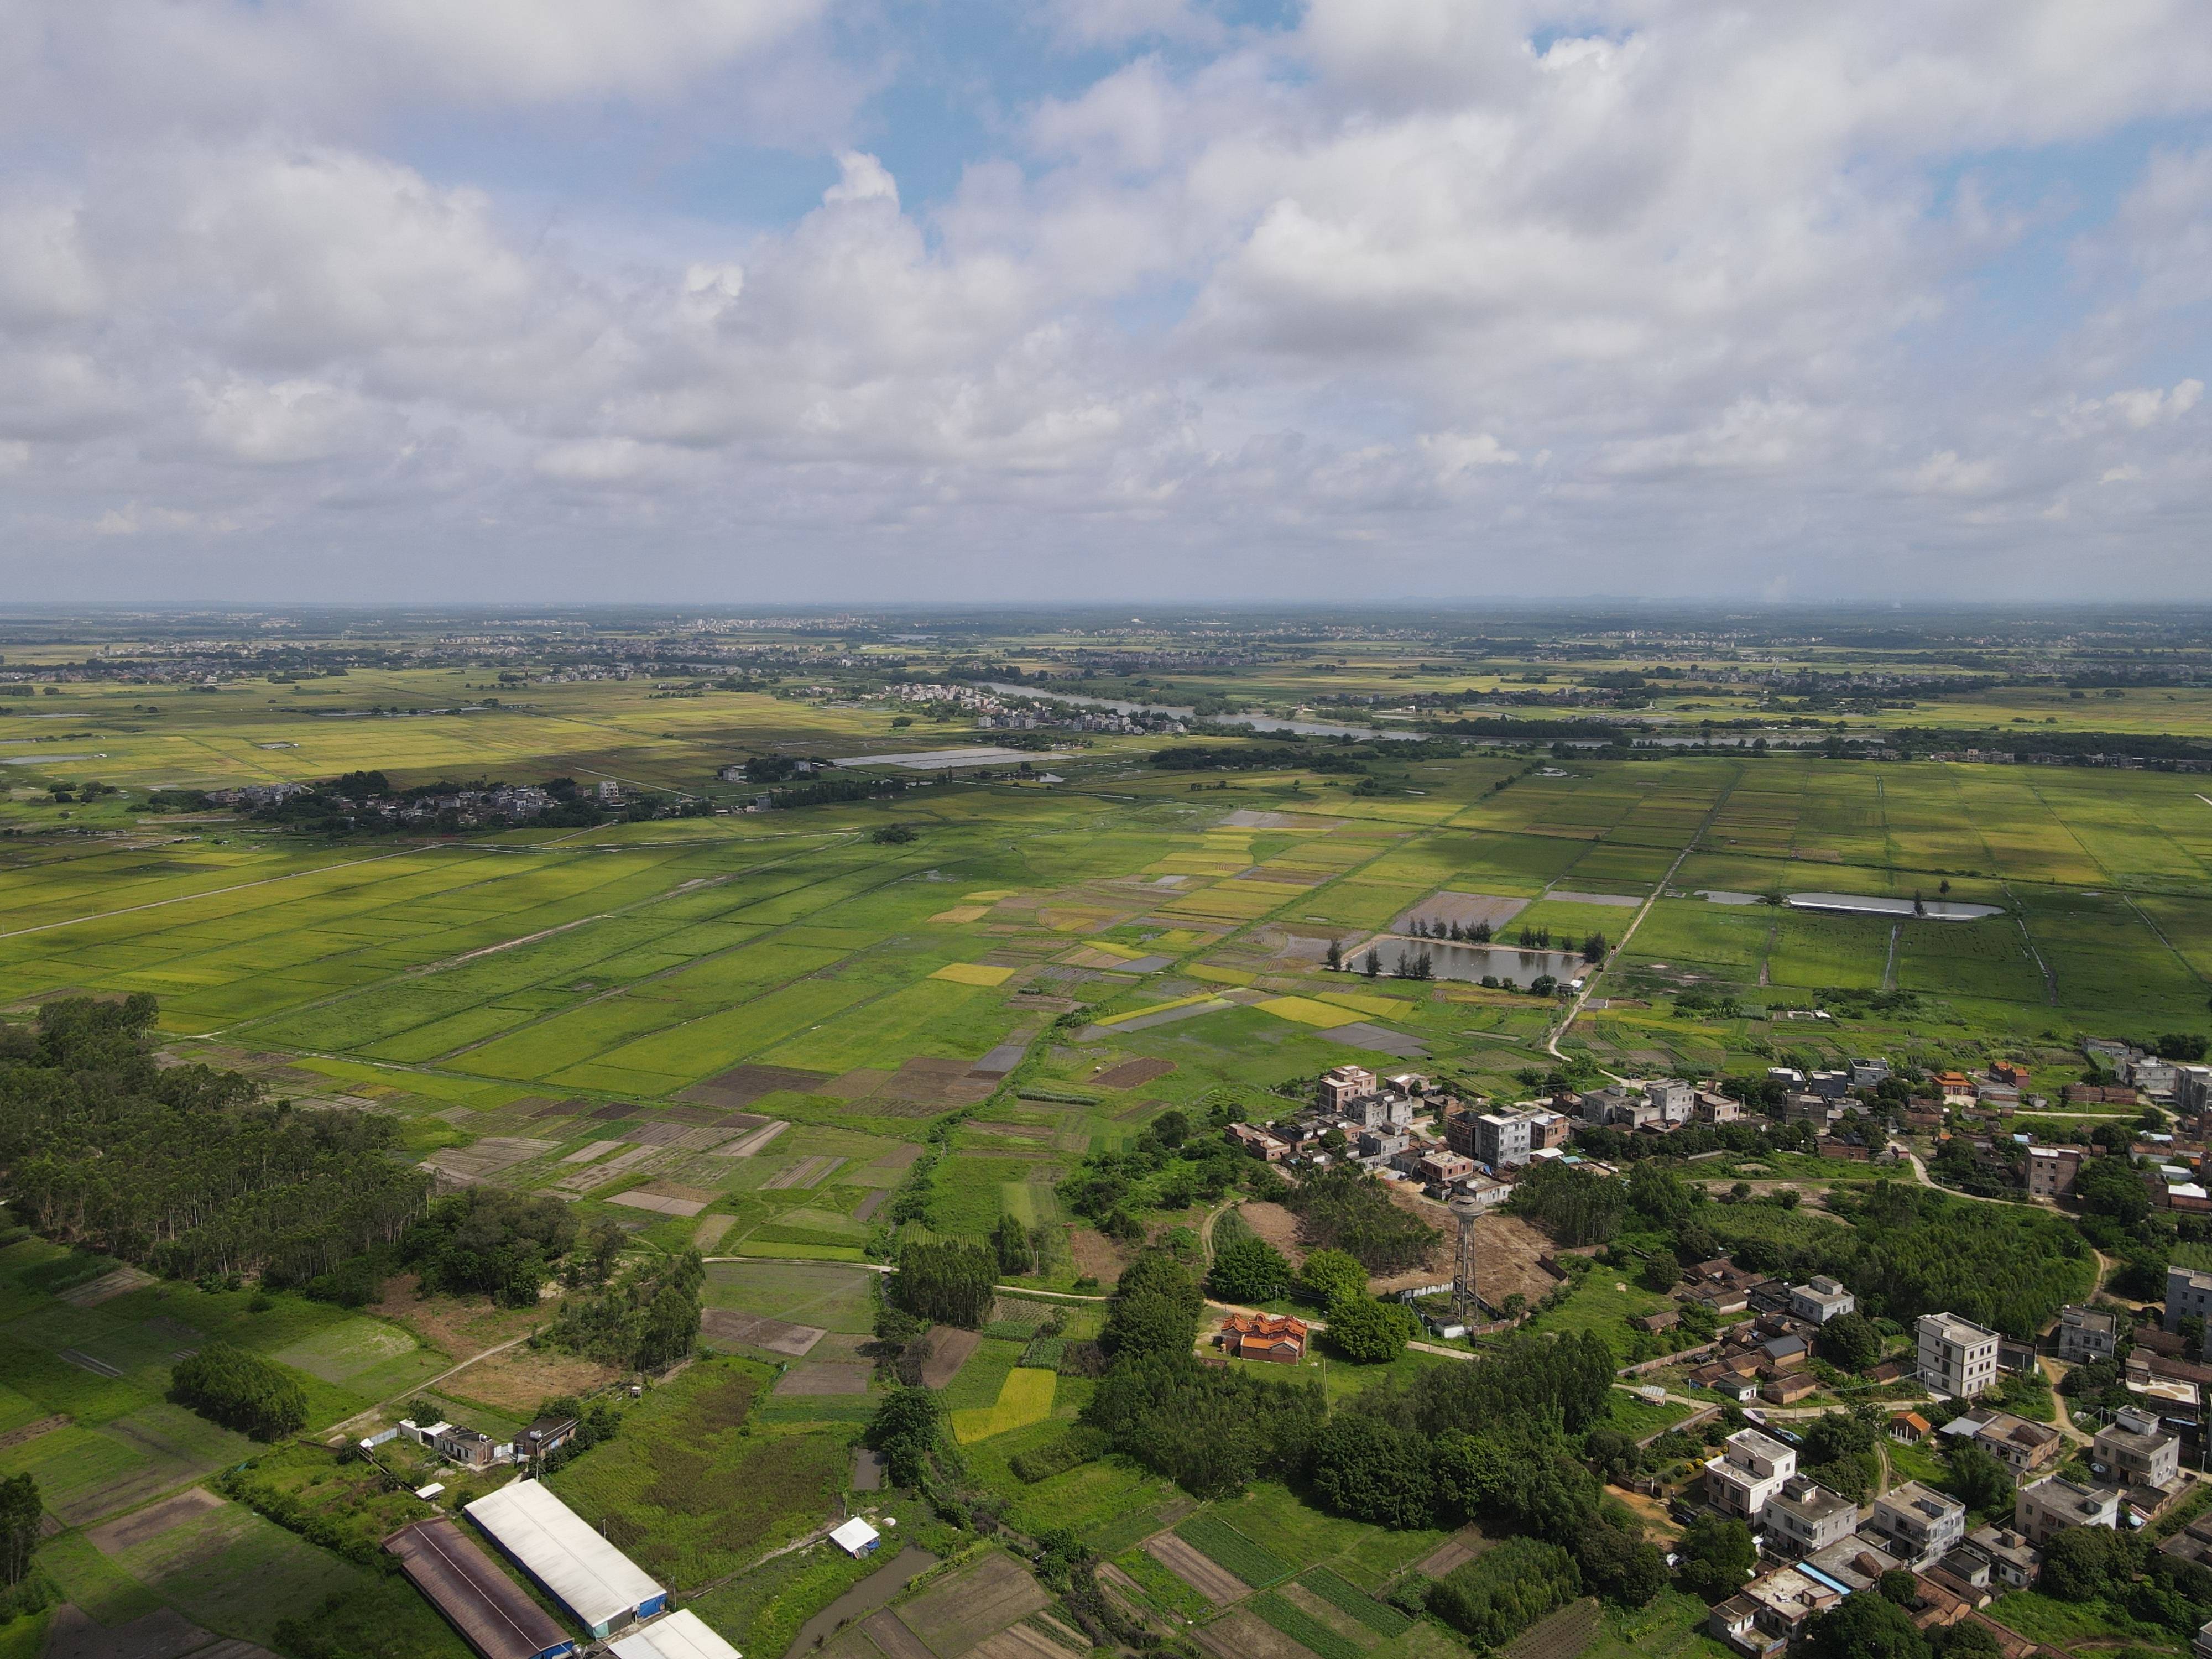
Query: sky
[(891, 300)]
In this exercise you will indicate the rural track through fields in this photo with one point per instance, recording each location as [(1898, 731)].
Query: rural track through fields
[(1589, 984), (1889, 966), (2027, 939)]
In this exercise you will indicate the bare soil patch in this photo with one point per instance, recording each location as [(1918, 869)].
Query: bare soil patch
[(1456, 1550), (954, 1615), (32, 1430), (741, 1086), (1277, 1226), (1096, 1254), (708, 1233), (1018, 1642), (152, 1521), (895, 1639), (458, 1325), (1242, 1634), (758, 1331), (518, 1380), (1506, 1252), (949, 1348), (1216, 1584), (164, 1635), (106, 1287), (824, 1377), (1133, 1073), (1562, 1635)]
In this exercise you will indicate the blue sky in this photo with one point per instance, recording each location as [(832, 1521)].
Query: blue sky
[(801, 300)]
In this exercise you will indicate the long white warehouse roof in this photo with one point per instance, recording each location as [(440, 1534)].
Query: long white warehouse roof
[(680, 1635), (590, 1576)]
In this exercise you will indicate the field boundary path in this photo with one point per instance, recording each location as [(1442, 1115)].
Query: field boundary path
[(1658, 890)]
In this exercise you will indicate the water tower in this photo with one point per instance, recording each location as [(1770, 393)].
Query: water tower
[(1464, 1302)]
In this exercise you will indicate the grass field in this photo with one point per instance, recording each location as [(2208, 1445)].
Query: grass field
[(688, 1492), (1026, 1397)]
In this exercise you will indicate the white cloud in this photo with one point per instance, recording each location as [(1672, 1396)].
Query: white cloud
[(861, 178), (1262, 293)]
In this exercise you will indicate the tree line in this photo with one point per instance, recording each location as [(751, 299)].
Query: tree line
[(186, 1169)]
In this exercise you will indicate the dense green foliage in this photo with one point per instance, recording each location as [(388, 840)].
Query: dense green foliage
[(1329, 1275), (1343, 1207), (1082, 1443), (240, 1389), (948, 1282), (488, 1240), (645, 1321), (1717, 1557), (1499, 1593), (1249, 1270), (1910, 1251), (907, 1429), (1573, 1206), (185, 1169), (1210, 1431), (1368, 1332), (22, 1514), (1156, 1309), (1373, 1470), (1864, 1627)]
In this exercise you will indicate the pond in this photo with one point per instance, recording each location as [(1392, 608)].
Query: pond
[(1862, 905), (1473, 963)]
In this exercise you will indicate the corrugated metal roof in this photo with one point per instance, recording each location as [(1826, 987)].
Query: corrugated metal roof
[(680, 1635), (589, 1575), (486, 1606)]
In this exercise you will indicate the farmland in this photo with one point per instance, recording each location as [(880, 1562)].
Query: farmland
[(793, 1038)]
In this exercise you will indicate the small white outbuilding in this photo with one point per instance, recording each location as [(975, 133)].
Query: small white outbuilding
[(856, 1537)]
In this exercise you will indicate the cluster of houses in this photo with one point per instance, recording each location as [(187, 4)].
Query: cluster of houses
[(472, 1449), (1376, 1122), (1767, 1355), (1835, 1548)]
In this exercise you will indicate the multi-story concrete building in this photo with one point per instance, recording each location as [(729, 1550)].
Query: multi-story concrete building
[(1821, 1299), (1342, 1084), (2188, 1292), (1958, 1358), (1672, 1099), (1917, 1525), (2086, 1334), (1804, 1516), (1501, 1139), (1443, 1168), (2021, 1446), (2014, 1562), (1712, 1108), (2135, 1449), (1751, 1468), (2051, 1170), (2054, 1503), (2192, 1088), (1868, 1073), (1830, 1086)]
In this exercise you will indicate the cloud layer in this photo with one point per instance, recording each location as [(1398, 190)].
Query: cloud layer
[(602, 299)]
